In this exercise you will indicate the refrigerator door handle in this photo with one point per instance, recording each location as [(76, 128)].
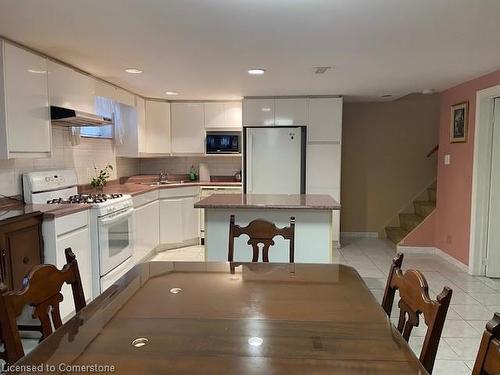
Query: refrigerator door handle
[(249, 162)]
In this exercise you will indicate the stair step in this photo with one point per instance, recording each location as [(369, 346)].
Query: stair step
[(424, 208), (395, 234), (431, 193), (409, 221)]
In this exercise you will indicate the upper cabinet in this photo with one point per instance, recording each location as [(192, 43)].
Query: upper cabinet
[(291, 111), (325, 120), (222, 115), (118, 95), (258, 112), (157, 127), (71, 89), (188, 128), (24, 107)]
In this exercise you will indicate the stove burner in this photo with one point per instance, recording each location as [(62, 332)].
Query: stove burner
[(85, 198)]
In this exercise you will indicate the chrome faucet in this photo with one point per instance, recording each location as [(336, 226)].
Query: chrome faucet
[(162, 176)]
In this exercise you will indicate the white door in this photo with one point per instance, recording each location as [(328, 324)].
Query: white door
[(157, 127), (493, 243), (273, 160), (258, 112), (171, 231), (290, 111)]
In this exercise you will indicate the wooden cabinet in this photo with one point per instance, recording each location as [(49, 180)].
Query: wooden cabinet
[(71, 89), (325, 120), (24, 105), (188, 129), (223, 115), (21, 248), (293, 111), (258, 112), (157, 127)]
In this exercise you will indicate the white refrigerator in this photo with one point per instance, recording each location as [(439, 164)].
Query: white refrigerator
[(274, 159)]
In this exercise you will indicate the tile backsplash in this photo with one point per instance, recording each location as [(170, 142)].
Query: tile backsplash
[(218, 165), (82, 158)]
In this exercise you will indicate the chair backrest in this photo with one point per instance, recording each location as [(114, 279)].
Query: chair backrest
[(261, 232), (414, 302), (41, 290), (488, 356)]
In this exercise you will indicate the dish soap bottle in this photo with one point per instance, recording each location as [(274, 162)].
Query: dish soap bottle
[(192, 174)]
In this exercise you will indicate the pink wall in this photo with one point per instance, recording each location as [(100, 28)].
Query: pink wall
[(454, 186), (424, 233)]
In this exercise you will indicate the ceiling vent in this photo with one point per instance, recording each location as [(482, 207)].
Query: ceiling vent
[(321, 69)]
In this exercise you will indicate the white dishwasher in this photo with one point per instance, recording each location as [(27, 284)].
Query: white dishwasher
[(206, 191)]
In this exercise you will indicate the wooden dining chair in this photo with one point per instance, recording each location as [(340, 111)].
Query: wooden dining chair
[(488, 356), (41, 290), (415, 302), (261, 232)]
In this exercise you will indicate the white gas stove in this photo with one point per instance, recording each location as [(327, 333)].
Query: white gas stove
[(111, 221)]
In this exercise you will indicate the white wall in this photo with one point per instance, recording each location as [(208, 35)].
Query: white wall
[(218, 165), (81, 157)]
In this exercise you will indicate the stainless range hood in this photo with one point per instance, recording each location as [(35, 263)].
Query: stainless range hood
[(69, 117)]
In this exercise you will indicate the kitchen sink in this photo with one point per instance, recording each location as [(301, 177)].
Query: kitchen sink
[(158, 183)]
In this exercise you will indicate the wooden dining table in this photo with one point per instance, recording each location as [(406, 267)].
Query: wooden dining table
[(217, 318)]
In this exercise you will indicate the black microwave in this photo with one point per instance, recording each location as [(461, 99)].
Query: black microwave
[(223, 143)]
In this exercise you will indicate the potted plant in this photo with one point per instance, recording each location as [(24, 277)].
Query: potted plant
[(101, 177)]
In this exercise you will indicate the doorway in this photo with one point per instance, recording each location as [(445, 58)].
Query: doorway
[(493, 239)]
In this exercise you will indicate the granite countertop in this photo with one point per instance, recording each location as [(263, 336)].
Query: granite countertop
[(270, 201), (135, 185)]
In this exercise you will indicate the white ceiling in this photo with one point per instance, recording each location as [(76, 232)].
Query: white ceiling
[(203, 48)]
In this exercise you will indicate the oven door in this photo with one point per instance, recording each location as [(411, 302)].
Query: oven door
[(115, 239)]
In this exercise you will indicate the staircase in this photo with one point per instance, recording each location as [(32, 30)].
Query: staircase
[(408, 221)]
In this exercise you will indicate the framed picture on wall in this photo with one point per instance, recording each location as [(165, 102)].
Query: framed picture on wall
[(459, 122)]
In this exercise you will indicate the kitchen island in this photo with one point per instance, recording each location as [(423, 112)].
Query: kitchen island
[(313, 225)]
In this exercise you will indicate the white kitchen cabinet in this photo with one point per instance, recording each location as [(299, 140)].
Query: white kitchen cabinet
[(140, 107), (146, 229), (291, 111), (223, 115), (190, 219), (188, 129), (79, 242), (133, 122), (71, 89), (258, 112), (171, 223), (157, 127), (24, 106), (69, 231), (112, 92), (325, 120)]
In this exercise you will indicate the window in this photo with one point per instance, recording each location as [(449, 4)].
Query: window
[(104, 107)]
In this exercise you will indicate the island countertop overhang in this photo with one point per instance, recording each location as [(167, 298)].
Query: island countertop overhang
[(269, 201)]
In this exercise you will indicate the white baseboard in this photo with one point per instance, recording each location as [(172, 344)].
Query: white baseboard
[(435, 251), (359, 234)]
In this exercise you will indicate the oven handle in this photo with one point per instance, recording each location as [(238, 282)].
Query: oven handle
[(116, 217)]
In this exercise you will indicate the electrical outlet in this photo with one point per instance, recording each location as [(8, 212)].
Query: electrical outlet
[(447, 159)]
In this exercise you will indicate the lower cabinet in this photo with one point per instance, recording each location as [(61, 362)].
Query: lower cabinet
[(171, 224), (20, 249), (179, 220), (146, 229), (69, 231)]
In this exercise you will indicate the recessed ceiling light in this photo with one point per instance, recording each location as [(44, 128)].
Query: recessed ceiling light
[(171, 93), (133, 71), (256, 71), (385, 96), (428, 91), (175, 290)]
